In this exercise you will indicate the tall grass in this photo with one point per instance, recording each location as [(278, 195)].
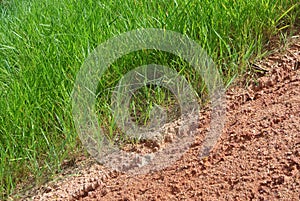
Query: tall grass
[(43, 43)]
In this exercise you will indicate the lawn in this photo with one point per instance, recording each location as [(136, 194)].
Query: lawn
[(43, 44)]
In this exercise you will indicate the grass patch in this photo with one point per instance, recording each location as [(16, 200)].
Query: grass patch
[(43, 43)]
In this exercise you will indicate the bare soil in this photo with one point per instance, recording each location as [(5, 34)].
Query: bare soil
[(256, 158)]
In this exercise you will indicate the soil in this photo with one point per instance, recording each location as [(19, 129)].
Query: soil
[(256, 158)]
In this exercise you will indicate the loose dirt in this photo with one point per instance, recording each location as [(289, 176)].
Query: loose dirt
[(256, 158)]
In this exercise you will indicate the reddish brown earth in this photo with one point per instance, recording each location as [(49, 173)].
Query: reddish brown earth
[(256, 158)]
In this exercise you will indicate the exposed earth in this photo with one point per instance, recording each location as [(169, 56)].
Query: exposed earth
[(256, 158)]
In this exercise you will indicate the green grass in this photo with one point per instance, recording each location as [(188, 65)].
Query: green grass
[(43, 43)]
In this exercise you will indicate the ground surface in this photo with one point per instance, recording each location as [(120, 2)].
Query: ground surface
[(257, 157)]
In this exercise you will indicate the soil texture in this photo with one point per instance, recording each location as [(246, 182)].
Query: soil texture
[(256, 158)]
